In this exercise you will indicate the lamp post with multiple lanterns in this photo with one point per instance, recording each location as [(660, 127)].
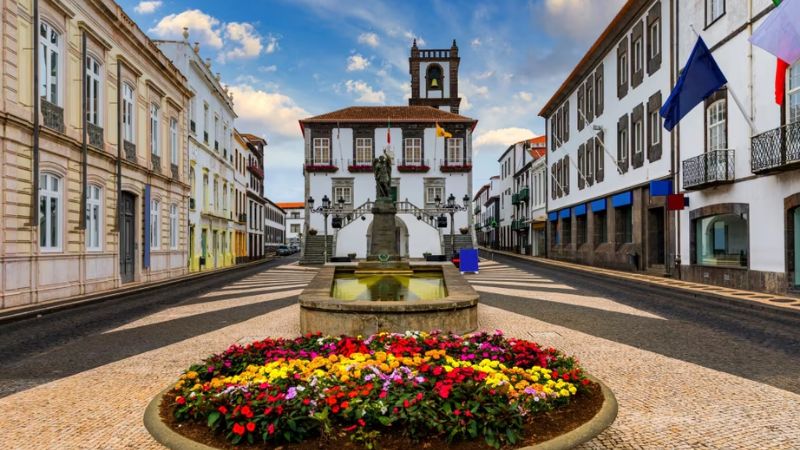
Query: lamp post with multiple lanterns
[(325, 210)]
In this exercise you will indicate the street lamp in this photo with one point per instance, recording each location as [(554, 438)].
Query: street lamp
[(325, 210), (452, 209)]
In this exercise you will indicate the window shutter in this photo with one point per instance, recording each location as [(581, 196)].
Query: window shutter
[(653, 105), (637, 76), (553, 132), (637, 116), (566, 121), (653, 16), (600, 154), (589, 160), (590, 99), (581, 106), (566, 175), (581, 165), (622, 125), (622, 86), (599, 90)]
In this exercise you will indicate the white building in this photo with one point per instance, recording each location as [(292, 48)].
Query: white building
[(607, 145), (538, 206), (742, 226), (211, 170), (295, 218), (505, 189), (274, 226), (253, 147), (487, 213)]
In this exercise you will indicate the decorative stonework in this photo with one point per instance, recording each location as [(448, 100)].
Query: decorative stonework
[(156, 162), (174, 168), (130, 151)]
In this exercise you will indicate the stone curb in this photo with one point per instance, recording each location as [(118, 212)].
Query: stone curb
[(28, 311), (627, 278), (584, 433)]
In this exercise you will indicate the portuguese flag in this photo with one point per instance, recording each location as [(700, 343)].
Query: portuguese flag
[(780, 74)]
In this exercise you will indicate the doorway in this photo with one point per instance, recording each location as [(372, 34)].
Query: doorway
[(796, 235), (655, 237), (127, 237)]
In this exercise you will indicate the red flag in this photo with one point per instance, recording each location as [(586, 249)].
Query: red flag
[(780, 81)]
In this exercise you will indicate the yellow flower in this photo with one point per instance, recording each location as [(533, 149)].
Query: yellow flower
[(191, 375)]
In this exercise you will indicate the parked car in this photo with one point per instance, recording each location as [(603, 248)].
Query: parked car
[(284, 250), (295, 248)]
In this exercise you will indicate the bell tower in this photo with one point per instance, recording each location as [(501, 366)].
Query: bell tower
[(434, 78)]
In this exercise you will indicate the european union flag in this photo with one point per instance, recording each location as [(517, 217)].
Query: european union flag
[(699, 79)]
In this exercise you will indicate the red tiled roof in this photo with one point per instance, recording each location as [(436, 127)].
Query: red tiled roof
[(382, 114), (291, 205)]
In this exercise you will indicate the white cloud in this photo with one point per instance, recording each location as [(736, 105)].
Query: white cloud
[(272, 44), (365, 92), (246, 39), (578, 19), (476, 43), (485, 75), (370, 39), (502, 137), (147, 7), (267, 69), (356, 62), (269, 113), (524, 96), (410, 36), (483, 91), (202, 27)]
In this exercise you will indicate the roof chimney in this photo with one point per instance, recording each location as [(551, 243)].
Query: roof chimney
[(185, 34)]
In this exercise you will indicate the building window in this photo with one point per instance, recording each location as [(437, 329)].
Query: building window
[(638, 137), (49, 63), (655, 127), (50, 212), (322, 151), (205, 122), (455, 154), (654, 38), (173, 226), (566, 231), (154, 144), (363, 151), (722, 240), (622, 142), (215, 199), (93, 109), (590, 98), (127, 112), (580, 223), (294, 228), (623, 69), (206, 202), (173, 140), (412, 151), (624, 223), (637, 55), (343, 192), (155, 224), (716, 116), (600, 227), (714, 10), (793, 93), (94, 217), (432, 193)]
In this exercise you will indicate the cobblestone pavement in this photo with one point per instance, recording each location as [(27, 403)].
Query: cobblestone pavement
[(675, 367)]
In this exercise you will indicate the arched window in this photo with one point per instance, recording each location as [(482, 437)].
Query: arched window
[(50, 212), (128, 112), (94, 217), (722, 240), (49, 63), (716, 120), (93, 91), (434, 77)]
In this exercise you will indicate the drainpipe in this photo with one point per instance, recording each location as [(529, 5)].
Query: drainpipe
[(36, 124), (119, 142), (85, 121), (676, 134)]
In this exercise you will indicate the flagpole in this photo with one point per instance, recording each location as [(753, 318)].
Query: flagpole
[(602, 142)]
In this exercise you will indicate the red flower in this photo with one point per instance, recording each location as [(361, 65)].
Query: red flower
[(383, 394), (306, 401), (350, 428), (331, 400), (247, 412), (406, 404), (271, 428), (457, 412), (585, 381), (555, 374), (420, 396), (238, 429), (361, 422), (180, 400), (437, 370), (566, 377), (222, 410), (335, 409), (251, 426), (345, 405)]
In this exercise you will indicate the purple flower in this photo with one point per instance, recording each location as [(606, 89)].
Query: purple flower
[(291, 393)]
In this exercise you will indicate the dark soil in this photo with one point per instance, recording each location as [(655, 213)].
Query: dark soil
[(540, 427)]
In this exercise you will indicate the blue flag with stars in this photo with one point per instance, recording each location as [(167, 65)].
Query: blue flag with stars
[(699, 79)]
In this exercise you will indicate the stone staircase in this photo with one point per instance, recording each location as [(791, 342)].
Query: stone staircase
[(461, 241), (314, 251)]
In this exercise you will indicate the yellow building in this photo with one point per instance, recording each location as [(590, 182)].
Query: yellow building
[(94, 157)]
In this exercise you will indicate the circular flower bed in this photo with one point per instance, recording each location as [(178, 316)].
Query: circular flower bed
[(478, 387)]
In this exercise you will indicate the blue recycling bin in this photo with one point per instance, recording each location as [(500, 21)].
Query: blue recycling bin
[(468, 260)]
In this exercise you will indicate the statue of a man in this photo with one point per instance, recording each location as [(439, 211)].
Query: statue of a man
[(382, 166)]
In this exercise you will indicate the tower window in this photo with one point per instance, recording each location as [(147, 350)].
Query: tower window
[(434, 77)]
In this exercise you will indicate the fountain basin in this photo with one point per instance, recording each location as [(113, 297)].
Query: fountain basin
[(452, 307)]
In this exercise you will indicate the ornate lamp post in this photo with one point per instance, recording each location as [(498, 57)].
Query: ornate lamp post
[(453, 208), (325, 210)]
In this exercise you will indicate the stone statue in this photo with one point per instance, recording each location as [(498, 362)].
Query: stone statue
[(382, 167)]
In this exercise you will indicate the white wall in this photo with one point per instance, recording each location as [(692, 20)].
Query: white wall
[(445, 92)]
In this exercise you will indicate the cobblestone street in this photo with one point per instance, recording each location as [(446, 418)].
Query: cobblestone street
[(686, 373)]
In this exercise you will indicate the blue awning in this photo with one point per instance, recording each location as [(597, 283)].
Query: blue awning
[(580, 210), (622, 199), (552, 217), (564, 213), (599, 205), (660, 188)]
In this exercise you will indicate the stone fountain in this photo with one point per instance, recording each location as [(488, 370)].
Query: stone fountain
[(385, 292)]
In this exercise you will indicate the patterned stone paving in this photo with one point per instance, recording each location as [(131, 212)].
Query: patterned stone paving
[(666, 399)]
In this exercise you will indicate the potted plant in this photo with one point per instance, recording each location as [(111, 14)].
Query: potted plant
[(312, 231), (352, 256), (464, 230), (427, 256)]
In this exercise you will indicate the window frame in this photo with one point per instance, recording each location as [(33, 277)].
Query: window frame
[(654, 123), (94, 225), (654, 39), (363, 151), (638, 54), (638, 137), (173, 140), (155, 144), (345, 192), (94, 91), (455, 144), (45, 54), (709, 9), (52, 231), (411, 146), (128, 112), (173, 226), (321, 145), (719, 109), (791, 92), (431, 192), (155, 224)]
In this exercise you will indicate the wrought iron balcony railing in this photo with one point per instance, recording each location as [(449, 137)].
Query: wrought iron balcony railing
[(53, 116), (95, 135), (709, 169), (130, 150), (777, 149), (524, 194), (515, 199)]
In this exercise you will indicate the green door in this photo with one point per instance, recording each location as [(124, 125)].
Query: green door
[(394, 194), (797, 246)]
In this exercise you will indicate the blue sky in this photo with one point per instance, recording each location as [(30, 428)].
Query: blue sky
[(285, 60)]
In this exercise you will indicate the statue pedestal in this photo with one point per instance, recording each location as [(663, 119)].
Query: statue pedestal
[(383, 242)]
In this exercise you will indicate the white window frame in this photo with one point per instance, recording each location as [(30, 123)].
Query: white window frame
[(128, 112), (624, 145), (654, 121), (413, 151), (345, 192), (94, 218), (155, 147), (589, 95), (638, 137), (363, 153), (49, 62), (455, 147), (205, 121), (638, 55), (50, 231), (93, 86), (589, 158), (654, 34), (717, 122), (321, 151), (173, 226), (623, 68), (714, 10), (173, 140), (431, 192), (155, 224), (793, 93)]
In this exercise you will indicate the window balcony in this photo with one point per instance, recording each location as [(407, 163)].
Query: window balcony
[(191, 204), (712, 168), (95, 135), (156, 162), (254, 168), (477, 209), (461, 165), (130, 151), (205, 137), (216, 145), (321, 166), (242, 218), (414, 166), (359, 166), (53, 116), (776, 150), (524, 194)]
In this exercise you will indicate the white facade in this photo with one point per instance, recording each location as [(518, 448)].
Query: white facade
[(211, 159), (740, 230), (505, 189), (274, 226), (295, 219)]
